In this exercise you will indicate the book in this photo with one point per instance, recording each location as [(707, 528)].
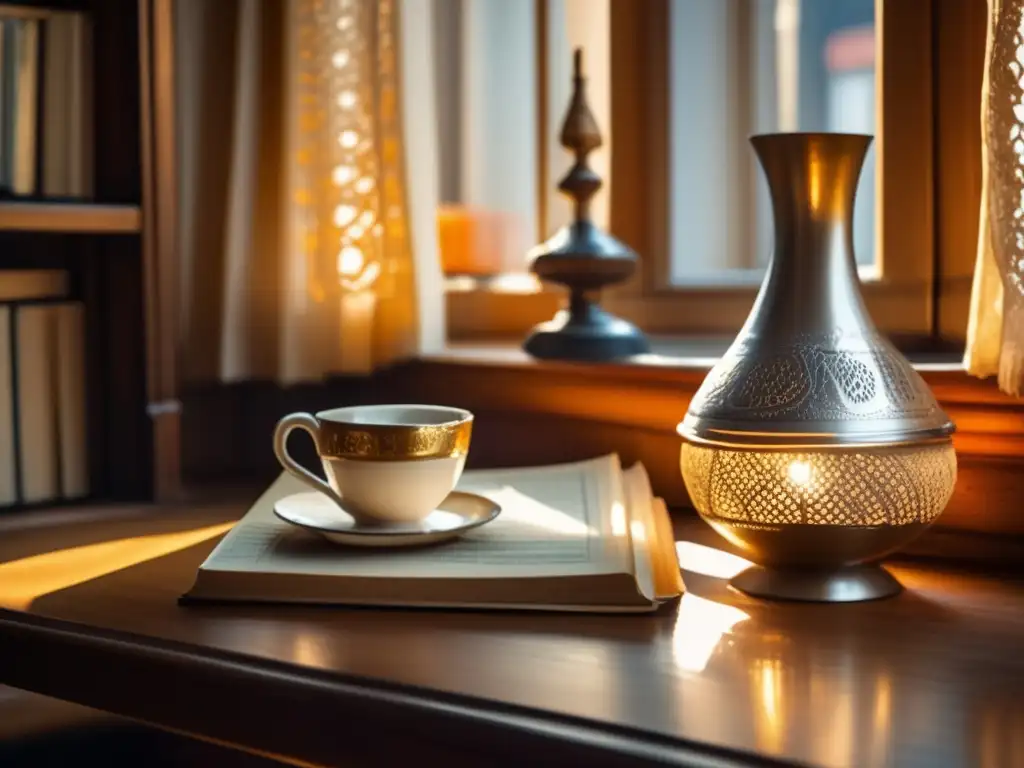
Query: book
[(8, 473), (19, 104), (66, 135), (70, 399), (36, 415), (585, 536)]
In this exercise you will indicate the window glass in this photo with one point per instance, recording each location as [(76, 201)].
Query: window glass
[(485, 70), (740, 68)]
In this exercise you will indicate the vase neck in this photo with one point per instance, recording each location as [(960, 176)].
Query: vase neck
[(812, 280)]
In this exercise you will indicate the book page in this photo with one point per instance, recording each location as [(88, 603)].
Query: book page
[(668, 577), (563, 520), (657, 567), (639, 497)]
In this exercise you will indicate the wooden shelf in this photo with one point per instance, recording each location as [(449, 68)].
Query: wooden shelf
[(70, 217)]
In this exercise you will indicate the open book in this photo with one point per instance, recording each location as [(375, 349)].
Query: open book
[(584, 536)]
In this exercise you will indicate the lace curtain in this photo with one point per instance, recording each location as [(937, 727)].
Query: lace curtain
[(995, 334), (308, 241)]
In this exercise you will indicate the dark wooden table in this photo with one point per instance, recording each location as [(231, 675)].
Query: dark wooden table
[(932, 678)]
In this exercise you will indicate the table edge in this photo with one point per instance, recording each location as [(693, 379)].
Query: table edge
[(68, 661)]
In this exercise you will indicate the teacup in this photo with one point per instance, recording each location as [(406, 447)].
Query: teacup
[(384, 463)]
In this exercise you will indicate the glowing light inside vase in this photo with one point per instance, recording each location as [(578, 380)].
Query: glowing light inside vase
[(799, 472)]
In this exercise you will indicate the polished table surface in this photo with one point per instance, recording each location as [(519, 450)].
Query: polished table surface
[(934, 677)]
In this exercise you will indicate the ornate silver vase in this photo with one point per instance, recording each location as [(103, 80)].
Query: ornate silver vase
[(813, 445)]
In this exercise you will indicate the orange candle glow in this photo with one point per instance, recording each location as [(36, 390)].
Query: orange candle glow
[(471, 241)]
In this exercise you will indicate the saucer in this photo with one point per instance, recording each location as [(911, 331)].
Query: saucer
[(458, 513)]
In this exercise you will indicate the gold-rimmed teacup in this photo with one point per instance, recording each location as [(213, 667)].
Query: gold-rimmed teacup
[(383, 463)]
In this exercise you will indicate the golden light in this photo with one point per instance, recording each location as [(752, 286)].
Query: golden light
[(618, 519), (768, 709), (350, 261), (459, 284), (23, 581), (525, 512), (366, 219), (515, 282), (799, 472), (355, 159), (700, 626), (311, 651), (342, 175), (708, 561), (815, 179), (344, 215), (637, 531)]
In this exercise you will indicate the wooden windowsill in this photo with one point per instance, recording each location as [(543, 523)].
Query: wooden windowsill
[(543, 411), (675, 353), (653, 391), (539, 412)]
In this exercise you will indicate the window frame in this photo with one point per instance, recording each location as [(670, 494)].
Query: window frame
[(902, 300)]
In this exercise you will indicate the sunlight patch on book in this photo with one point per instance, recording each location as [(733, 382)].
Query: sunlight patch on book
[(618, 519), (526, 510), (700, 626), (23, 581)]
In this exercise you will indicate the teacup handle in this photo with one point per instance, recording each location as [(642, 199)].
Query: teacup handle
[(284, 428)]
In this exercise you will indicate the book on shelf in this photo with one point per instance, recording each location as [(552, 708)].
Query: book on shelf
[(25, 288), (69, 398), (585, 536), (66, 135), (45, 104), (35, 403), (43, 449)]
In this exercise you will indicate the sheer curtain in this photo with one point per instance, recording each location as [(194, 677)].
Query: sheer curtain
[(995, 334), (307, 148)]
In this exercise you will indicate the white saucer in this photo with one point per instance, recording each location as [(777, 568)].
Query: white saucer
[(458, 513)]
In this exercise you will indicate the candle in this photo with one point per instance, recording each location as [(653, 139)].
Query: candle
[(471, 241)]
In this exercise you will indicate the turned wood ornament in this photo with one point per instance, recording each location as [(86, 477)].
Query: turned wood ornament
[(582, 257)]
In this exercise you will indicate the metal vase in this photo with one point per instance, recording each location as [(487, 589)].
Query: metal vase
[(813, 445)]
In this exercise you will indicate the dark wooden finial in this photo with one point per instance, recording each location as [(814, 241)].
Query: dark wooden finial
[(580, 133), (582, 257), (581, 136)]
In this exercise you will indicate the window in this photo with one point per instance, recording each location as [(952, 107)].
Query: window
[(737, 69), (487, 119), (683, 85), (499, 120)]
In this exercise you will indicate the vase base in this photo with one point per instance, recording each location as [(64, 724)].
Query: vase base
[(850, 584), (590, 334)]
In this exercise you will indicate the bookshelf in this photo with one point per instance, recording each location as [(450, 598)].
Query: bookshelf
[(90, 218), (117, 246)]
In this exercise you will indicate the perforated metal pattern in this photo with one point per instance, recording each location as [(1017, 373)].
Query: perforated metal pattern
[(896, 486)]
